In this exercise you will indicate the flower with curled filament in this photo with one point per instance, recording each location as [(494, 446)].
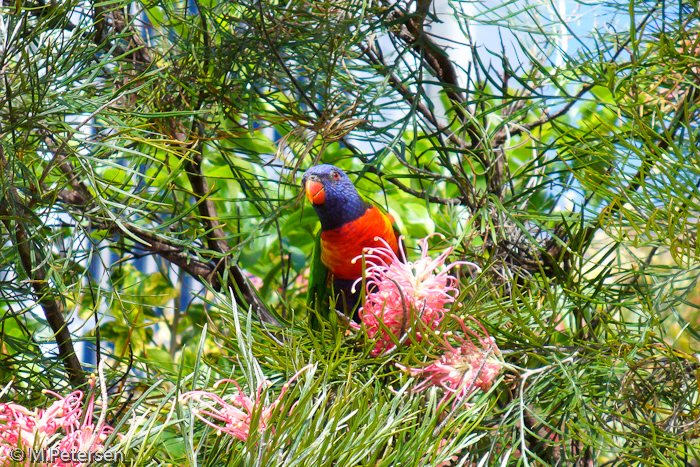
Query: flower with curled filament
[(237, 415), (63, 425), (405, 295), (463, 369)]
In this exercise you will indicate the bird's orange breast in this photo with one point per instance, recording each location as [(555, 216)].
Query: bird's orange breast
[(339, 246)]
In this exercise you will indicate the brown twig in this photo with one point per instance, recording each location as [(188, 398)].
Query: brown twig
[(409, 97), (419, 194), (411, 31), (31, 260), (216, 239)]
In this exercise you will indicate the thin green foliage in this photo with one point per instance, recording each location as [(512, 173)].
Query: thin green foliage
[(150, 155)]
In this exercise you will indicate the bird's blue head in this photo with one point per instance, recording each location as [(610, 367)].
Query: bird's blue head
[(333, 196)]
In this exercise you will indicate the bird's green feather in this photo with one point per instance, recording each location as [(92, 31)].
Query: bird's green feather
[(318, 286)]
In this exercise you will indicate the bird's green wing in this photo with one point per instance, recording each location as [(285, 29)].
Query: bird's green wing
[(318, 286)]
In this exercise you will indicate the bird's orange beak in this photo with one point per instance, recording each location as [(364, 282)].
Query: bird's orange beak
[(315, 192)]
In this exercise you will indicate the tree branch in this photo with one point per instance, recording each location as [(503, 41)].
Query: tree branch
[(216, 239), (410, 98), (31, 259), (209, 272), (419, 194), (412, 32)]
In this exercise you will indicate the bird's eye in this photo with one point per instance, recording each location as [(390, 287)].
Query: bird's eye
[(335, 175)]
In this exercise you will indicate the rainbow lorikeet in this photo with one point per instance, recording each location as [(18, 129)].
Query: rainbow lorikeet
[(349, 224)]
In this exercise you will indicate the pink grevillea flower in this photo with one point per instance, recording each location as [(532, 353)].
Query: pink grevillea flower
[(237, 415), (404, 295), (62, 426), (460, 371), (35, 427), (85, 436)]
